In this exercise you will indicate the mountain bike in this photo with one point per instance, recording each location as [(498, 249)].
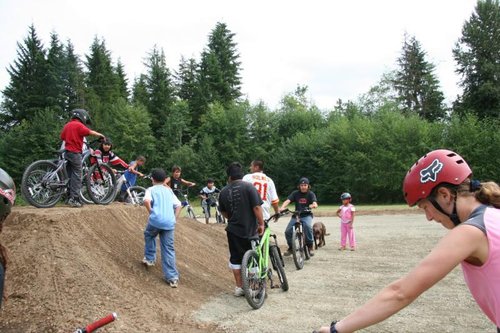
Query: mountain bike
[(300, 250), (133, 194), (255, 268), (44, 182), (185, 202), (98, 324), (213, 198)]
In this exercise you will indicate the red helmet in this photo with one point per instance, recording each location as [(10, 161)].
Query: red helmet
[(437, 167)]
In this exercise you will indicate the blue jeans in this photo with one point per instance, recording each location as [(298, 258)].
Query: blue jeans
[(166, 247), (306, 226)]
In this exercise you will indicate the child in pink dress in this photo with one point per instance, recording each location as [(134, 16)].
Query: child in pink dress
[(346, 214)]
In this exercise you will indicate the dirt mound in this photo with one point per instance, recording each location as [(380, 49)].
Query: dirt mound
[(71, 266)]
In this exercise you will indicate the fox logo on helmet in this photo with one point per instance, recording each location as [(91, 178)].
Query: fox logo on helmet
[(431, 172)]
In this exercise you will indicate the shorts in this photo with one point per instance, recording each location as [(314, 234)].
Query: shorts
[(237, 248)]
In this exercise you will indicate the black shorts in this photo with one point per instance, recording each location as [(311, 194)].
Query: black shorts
[(237, 248)]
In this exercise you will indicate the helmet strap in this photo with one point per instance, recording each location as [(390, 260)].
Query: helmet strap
[(453, 216)]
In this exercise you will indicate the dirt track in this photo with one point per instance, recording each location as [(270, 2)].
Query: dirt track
[(69, 266)]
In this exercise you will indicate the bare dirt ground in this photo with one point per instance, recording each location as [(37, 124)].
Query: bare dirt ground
[(70, 266)]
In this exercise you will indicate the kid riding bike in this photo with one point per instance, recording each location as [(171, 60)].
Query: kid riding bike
[(255, 268)]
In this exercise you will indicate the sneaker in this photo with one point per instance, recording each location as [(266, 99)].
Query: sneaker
[(148, 263), (74, 203), (342, 248), (353, 249), (288, 252), (173, 283), (239, 292)]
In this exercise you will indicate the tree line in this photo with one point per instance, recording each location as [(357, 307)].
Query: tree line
[(195, 116)]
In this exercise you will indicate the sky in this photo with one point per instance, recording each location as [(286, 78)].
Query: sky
[(338, 49)]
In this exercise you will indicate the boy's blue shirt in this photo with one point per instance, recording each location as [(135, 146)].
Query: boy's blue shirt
[(163, 203)]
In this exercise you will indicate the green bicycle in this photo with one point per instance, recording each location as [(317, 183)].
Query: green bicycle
[(255, 269)]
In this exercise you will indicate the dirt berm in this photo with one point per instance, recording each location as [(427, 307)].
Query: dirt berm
[(69, 267)]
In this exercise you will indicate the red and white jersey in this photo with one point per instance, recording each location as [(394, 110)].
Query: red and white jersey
[(267, 191)]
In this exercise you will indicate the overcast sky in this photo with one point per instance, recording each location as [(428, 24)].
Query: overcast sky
[(339, 49)]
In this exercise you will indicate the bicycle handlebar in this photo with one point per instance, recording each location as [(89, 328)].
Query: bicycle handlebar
[(296, 212), (97, 324)]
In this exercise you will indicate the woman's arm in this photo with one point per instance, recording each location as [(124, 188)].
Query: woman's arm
[(461, 243)]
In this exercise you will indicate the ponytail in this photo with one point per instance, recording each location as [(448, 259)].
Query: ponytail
[(487, 193)]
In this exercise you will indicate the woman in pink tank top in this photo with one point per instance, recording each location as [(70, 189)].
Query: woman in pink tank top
[(441, 184)]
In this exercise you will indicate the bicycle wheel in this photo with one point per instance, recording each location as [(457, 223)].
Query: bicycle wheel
[(297, 249), (253, 285), (101, 184), (219, 217), (190, 213), (136, 195), (84, 194), (307, 253), (279, 267), (41, 186)]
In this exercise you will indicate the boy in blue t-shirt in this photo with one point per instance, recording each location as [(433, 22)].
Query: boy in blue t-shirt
[(162, 206)]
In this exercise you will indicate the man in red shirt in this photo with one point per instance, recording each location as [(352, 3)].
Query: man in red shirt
[(73, 134)]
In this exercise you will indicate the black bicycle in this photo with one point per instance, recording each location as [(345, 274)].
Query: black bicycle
[(300, 250)]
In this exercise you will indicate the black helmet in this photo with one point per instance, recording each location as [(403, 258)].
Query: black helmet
[(7, 194), (81, 114)]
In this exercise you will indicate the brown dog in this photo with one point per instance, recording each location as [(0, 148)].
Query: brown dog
[(319, 231)]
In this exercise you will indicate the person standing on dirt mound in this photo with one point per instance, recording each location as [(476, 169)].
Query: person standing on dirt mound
[(7, 198), (162, 206), (441, 184), (73, 134), (240, 204)]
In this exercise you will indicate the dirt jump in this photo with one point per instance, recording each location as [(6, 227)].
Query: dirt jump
[(69, 267)]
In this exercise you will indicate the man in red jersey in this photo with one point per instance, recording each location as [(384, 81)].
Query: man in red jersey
[(73, 134)]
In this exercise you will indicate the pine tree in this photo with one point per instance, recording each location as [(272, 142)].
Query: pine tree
[(101, 77), (56, 59), (416, 84), (160, 90), (219, 69), (477, 54), (122, 80), (74, 80), (140, 91), (26, 92)]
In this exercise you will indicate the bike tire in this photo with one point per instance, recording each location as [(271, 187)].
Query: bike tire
[(101, 189), (297, 249), (253, 285), (307, 253), (278, 267), (37, 193), (219, 217), (191, 214), (84, 195), (137, 193)]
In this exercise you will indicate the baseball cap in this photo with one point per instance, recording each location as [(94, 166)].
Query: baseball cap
[(303, 180)]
